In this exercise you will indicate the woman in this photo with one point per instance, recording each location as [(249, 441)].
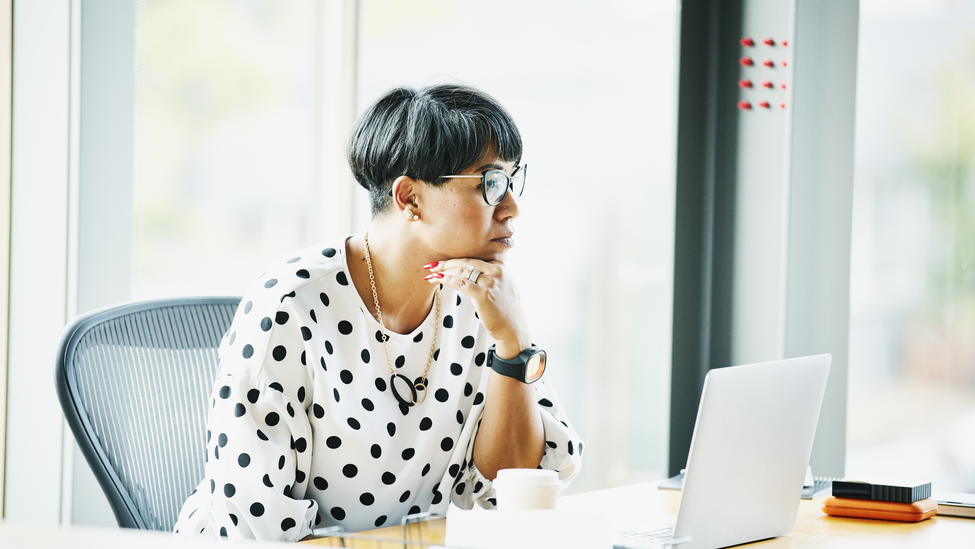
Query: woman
[(359, 381)]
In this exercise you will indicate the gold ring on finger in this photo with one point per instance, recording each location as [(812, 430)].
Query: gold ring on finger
[(472, 276)]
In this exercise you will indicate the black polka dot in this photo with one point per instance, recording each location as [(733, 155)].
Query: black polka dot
[(318, 411), (580, 448), (333, 442), (281, 317), (442, 395), (302, 273), (270, 283), (341, 278), (305, 333), (460, 488), (448, 321), (257, 509), (294, 260), (281, 463), (367, 499), (223, 531), (299, 476), (267, 481), (301, 444), (425, 424), (320, 483), (380, 521), (391, 428), (468, 389), (446, 444), (479, 359), (368, 405), (408, 454), (400, 361), (404, 497), (376, 451), (213, 486), (350, 471), (478, 398), (460, 417), (467, 342), (418, 337), (290, 294), (301, 394), (453, 470), (456, 369), (365, 355), (388, 478), (261, 435), (478, 486), (335, 394), (404, 409), (287, 524), (248, 351), (277, 387), (380, 384), (569, 446), (314, 318), (328, 252), (279, 353), (345, 376), (287, 491), (239, 410), (328, 347), (233, 337), (380, 337), (545, 402), (271, 419), (458, 300), (426, 469), (248, 307), (266, 323), (243, 460), (229, 490), (322, 361), (436, 355), (253, 395), (222, 439), (354, 423), (225, 392), (345, 327)]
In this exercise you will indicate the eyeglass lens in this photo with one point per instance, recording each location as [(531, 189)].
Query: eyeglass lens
[(496, 183)]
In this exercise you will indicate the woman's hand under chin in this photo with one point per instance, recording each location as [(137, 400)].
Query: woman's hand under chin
[(495, 296)]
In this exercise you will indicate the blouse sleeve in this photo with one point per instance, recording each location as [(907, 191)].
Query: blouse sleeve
[(563, 452), (259, 440)]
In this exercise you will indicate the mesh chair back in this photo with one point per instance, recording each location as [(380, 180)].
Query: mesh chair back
[(134, 383)]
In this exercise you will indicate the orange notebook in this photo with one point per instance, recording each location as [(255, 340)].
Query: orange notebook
[(883, 510)]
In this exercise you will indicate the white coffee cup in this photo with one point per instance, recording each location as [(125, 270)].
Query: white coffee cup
[(527, 489)]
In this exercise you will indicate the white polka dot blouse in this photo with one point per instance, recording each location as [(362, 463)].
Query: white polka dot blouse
[(303, 430)]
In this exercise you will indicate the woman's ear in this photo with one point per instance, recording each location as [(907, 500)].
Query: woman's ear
[(404, 191)]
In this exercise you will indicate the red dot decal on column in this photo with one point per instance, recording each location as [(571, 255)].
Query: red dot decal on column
[(768, 63), (744, 83), (785, 42), (785, 62), (763, 103), (768, 41), (744, 105), (767, 84), (782, 85), (782, 105), (747, 42), (746, 61)]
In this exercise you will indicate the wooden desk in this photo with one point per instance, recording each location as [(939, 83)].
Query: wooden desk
[(813, 528)]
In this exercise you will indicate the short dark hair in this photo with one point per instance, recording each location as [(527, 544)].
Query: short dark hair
[(426, 134)]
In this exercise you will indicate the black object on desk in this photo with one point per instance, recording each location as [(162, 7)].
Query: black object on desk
[(893, 491)]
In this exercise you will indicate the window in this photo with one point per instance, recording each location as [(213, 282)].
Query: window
[(591, 86), (912, 351)]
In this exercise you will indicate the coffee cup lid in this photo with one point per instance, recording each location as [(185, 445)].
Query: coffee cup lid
[(528, 477)]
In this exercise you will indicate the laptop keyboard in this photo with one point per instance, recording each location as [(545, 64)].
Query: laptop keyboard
[(650, 539)]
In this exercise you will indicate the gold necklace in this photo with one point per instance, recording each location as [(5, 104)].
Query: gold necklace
[(420, 384)]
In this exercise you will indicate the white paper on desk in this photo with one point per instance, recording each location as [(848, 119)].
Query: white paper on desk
[(526, 529)]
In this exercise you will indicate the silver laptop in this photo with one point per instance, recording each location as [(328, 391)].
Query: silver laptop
[(748, 456)]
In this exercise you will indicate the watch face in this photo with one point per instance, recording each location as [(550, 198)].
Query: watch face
[(535, 367)]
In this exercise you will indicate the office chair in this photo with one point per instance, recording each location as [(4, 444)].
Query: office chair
[(134, 383)]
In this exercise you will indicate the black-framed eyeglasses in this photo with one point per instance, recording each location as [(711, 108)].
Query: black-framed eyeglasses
[(495, 183)]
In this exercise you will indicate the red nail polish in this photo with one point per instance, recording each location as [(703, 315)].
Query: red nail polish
[(431, 265), (432, 276)]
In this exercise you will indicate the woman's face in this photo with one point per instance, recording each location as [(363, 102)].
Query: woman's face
[(459, 223)]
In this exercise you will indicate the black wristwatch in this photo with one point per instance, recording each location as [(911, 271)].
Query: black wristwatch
[(527, 367)]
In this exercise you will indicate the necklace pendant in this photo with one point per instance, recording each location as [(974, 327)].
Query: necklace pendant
[(403, 382)]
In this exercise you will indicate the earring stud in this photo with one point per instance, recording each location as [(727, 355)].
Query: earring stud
[(409, 215)]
